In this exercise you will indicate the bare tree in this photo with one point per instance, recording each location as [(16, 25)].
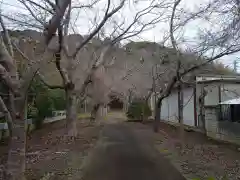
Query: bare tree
[(100, 56), (17, 89), (71, 52), (117, 62), (66, 50), (210, 46)]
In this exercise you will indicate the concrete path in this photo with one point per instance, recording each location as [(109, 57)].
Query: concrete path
[(119, 155)]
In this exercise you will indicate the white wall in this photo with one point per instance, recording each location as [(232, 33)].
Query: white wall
[(170, 107), (228, 91), (188, 110), (212, 97)]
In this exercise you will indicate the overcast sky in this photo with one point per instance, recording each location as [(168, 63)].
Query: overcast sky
[(155, 34)]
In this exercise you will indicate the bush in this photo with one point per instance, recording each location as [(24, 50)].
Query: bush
[(43, 101), (44, 105), (138, 110), (32, 111), (58, 98)]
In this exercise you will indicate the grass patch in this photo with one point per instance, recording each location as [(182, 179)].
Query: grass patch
[(84, 116)]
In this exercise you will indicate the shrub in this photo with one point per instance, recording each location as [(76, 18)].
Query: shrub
[(44, 105), (138, 110), (58, 98), (32, 111)]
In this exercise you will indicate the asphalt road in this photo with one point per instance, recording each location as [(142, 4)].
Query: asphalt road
[(119, 155)]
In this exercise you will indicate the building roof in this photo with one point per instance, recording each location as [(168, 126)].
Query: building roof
[(231, 101), (218, 78)]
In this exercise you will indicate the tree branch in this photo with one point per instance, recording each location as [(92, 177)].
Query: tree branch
[(51, 27), (31, 12), (96, 30), (40, 6), (85, 6), (7, 115), (6, 37), (208, 61), (5, 76), (67, 20), (174, 44)]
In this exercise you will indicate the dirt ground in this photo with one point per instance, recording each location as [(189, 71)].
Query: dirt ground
[(200, 158), (50, 154)]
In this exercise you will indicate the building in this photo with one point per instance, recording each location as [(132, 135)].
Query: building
[(222, 120)]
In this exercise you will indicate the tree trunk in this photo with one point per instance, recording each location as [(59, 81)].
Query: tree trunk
[(71, 112), (180, 113), (202, 109), (94, 111), (100, 114), (157, 115), (17, 146)]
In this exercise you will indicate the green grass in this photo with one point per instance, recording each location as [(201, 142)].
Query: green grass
[(209, 178), (84, 115)]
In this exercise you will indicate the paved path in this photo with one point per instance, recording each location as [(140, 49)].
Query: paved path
[(119, 155)]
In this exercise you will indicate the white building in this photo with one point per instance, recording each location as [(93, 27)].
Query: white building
[(218, 88)]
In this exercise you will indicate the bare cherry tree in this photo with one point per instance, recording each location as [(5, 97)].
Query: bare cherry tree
[(102, 55), (113, 60), (68, 48), (17, 90)]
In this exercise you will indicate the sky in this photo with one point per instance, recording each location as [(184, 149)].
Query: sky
[(82, 24)]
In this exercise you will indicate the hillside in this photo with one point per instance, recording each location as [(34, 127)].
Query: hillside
[(156, 53), (152, 54)]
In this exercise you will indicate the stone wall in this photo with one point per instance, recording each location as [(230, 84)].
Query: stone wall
[(221, 130)]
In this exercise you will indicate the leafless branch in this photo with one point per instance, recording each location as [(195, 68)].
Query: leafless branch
[(7, 115), (6, 36), (209, 60), (67, 20), (31, 12), (23, 22), (21, 53), (5, 76), (101, 24), (174, 44), (85, 6), (54, 22), (53, 6), (40, 6)]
